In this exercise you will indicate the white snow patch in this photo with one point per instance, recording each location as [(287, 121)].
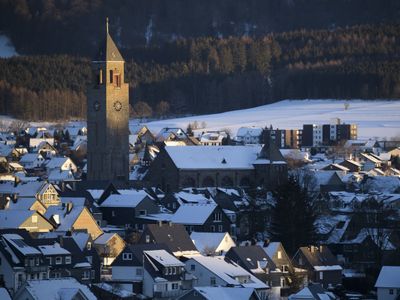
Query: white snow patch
[(6, 47)]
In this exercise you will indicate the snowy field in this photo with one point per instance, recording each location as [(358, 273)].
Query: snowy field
[(6, 48), (374, 118)]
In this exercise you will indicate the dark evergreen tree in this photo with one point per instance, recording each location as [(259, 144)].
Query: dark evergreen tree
[(292, 217)]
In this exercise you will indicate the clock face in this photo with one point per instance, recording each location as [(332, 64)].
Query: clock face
[(96, 106), (117, 105)]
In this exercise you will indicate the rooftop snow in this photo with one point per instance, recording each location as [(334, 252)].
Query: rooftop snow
[(214, 157), (193, 214), (55, 249), (125, 200), (389, 277), (164, 258)]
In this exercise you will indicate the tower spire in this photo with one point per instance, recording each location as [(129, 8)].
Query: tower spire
[(107, 24)]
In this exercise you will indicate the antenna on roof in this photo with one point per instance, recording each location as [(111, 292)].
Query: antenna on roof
[(107, 25)]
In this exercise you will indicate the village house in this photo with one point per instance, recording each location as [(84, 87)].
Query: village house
[(127, 268), (215, 271), (249, 135), (164, 275), (109, 246), (388, 283), (213, 138), (126, 209), (321, 264)]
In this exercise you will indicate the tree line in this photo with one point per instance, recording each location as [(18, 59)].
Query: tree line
[(207, 75)]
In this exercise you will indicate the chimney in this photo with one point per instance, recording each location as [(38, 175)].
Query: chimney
[(159, 223), (266, 243), (69, 207)]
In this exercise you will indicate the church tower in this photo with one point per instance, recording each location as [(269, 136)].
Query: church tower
[(108, 116)]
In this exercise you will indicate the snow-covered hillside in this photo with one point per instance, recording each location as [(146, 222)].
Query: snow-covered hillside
[(374, 118), (6, 48)]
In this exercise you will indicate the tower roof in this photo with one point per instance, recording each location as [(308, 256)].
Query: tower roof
[(271, 152), (108, 50)]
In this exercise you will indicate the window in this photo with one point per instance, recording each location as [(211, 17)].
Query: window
[(58, 260), (174, 270), (279, 254), (49, 260), (192, 267), (113, 213), (213, 281), (93, 274), (86, 275), (217, 216), (57, 275), (89, 246), (391, 291), (220, 228), (300, 261), (321, 275), (174, 286), (68, 260), (34, 219), (44, 275), (142, 212), (111, 76), (127, 256), (147, 239)]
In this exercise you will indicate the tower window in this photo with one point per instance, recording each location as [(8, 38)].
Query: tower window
[(111, 76), (100, 77)]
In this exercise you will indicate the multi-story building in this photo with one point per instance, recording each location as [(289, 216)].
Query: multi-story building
[(314, 135), (283, 138)]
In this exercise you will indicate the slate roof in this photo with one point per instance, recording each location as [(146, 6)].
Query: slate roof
[(252, 258), (108, 50), (174, 236), (321, 256)]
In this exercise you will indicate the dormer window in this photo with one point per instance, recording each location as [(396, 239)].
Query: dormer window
[(127, 256), (100, 77)]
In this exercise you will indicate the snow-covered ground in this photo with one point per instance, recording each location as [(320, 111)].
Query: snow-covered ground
[(6, 47), (374, 118), (379, 119)]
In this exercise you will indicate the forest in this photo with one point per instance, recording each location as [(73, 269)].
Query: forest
[(206, 75)]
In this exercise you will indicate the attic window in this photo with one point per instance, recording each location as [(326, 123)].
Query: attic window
[(223, 161), (127, 256)]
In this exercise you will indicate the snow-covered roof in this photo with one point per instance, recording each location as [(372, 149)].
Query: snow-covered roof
[(54, 249), (205, 241), (271, 249), (60, 175), (22, 203), (58, 288), (188, 197), (66, 219), (164, 258), (389, 277), (328, 268), (219, 293), (104, 238), (214, 157), (96, 194), (252, 131), (58, 162), (4, 295), (80, 238), (228, 271), (18, 242), (125, 200), (30, 158), (389, 184), (193, 214), (14, 218)]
